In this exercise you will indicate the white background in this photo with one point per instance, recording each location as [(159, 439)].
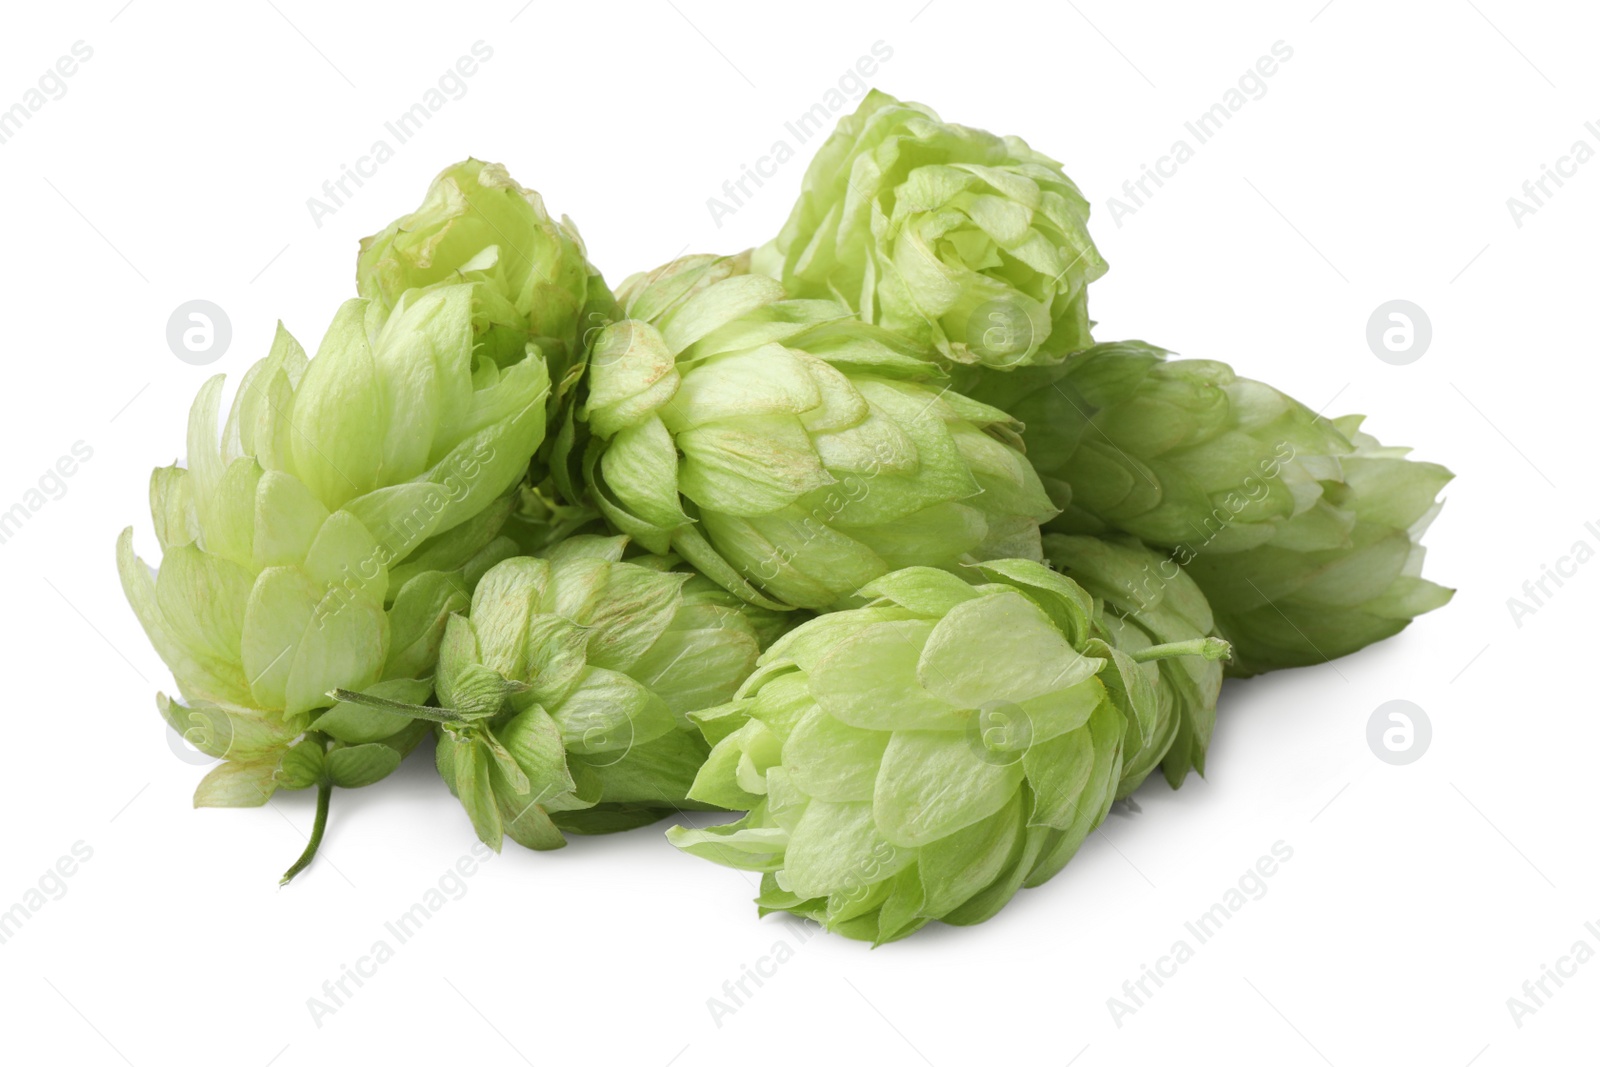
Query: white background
[(177, 165)]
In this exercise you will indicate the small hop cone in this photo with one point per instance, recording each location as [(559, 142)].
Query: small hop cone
[(969, 243), (565, 693), (537, 290), (476, 224)]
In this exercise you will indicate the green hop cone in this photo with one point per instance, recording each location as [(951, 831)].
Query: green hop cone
[(1145, 599), (322, 543), (924, 757), (789, 451), (1303, 532), (565, 693), (477, 224), (537, 286), (968, 242), (1290, 602)]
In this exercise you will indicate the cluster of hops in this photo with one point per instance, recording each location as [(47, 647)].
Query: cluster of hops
[(859, 534)]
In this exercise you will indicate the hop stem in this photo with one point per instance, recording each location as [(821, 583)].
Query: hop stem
[(1209, 647), (324, 794), (448, 716)]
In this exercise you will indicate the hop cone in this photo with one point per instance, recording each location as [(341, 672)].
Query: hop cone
[(965, 241), (789, 451), (1289, 602), (477, 224), (1143, 599), (537, 286), (565, 695), (322, 543), (1301, 531), (924, 757)]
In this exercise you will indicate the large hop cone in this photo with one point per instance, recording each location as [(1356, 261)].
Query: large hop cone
[(1302, 531), (346, 510), (924, 757), (788, 450)]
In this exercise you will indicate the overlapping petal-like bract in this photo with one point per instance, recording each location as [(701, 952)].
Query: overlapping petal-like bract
[(573, 678), (968, 242), (789, 451), (1294, 601), (323, 542), (1144, 599), (924, 757), (477, 224), (1303, 532)]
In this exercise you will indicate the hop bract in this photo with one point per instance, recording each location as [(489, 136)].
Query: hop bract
[(1293, 601), (565, 695), (1142, 599), (476, 224), (322, 543), (1302, 532), (957, 238), (925, 756), (786, 449)]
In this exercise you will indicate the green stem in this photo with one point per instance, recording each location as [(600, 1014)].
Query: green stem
[(324, 794), (1209, 647), (415, 711)]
